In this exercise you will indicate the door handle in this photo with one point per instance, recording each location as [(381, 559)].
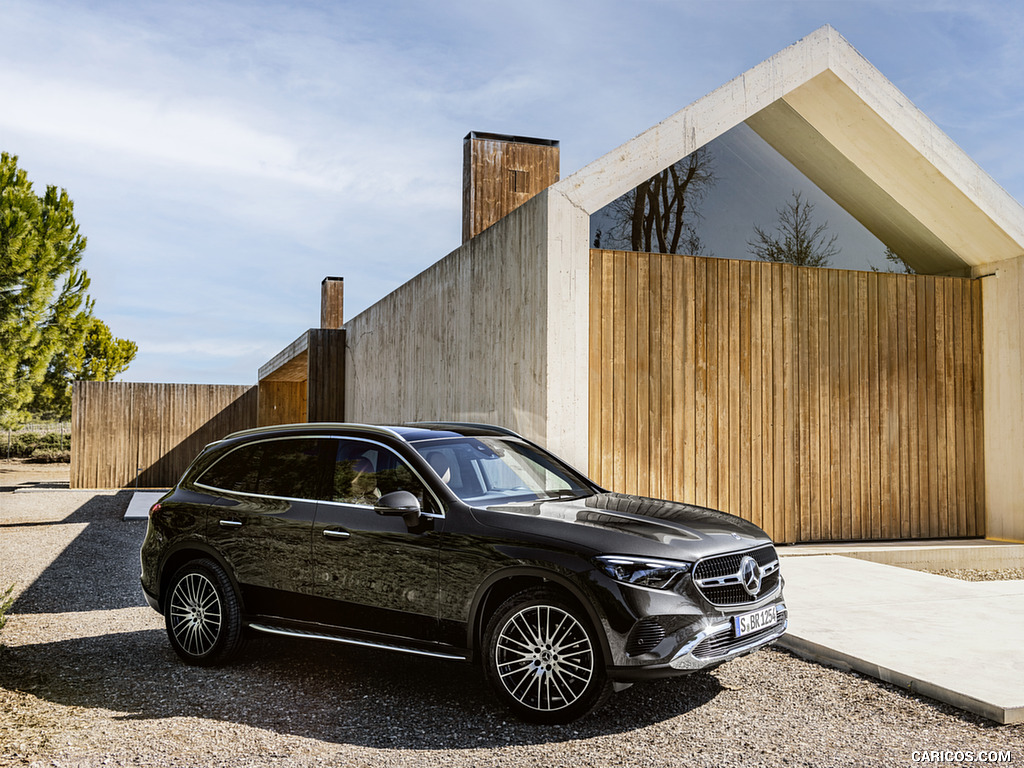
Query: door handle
[(230, 523), (328, 533)]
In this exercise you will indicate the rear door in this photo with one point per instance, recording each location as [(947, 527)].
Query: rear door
[(263, 522)]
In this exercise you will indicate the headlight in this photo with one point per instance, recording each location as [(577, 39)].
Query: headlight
[(642, 571)]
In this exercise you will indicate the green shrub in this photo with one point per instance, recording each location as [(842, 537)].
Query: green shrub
[(24, 444), (49, 456), (54, 441)]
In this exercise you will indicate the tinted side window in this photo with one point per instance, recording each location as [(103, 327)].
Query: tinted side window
[(364, 472), (269, 468), (236, 471), (289, 468)]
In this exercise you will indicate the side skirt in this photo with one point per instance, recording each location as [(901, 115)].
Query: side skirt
[(307, 634)]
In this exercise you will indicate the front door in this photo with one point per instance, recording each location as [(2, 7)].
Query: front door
[(376, 573)]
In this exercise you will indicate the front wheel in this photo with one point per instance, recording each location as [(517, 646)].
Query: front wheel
[(543, 659), (203, 617)]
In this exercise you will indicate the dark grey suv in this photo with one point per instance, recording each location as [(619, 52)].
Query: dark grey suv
[(454, 541)]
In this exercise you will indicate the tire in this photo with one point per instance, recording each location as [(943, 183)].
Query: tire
[(202, 614), (543, 658)]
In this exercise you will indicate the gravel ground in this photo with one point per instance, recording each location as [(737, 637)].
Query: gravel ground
[(87, 678), (981, 574)]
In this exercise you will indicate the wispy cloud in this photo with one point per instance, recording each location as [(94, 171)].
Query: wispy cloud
[(225, 155)]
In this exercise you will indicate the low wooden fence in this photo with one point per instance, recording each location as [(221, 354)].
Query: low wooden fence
[(820, 404), (126, 434)]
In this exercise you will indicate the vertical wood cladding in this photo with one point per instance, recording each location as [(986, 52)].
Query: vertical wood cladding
[(820, 404), (500, 173), (123, 432), (325, 387), (332, 302), (282, 402)]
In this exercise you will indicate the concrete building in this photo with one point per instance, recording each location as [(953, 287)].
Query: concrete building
[(821, 404)]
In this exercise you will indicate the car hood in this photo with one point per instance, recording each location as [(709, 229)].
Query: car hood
[(621, 524)]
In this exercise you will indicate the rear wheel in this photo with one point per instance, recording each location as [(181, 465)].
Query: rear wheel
[(202, 615), (543, 659)]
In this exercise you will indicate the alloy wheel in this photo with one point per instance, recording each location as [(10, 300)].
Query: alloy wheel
[(195, 614), (544, 658)]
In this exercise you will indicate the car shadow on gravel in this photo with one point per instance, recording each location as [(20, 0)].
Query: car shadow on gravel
[(318, 690), (97, 570)]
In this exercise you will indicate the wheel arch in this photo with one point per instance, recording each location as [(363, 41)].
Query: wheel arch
[(186, 552), (502, 585)]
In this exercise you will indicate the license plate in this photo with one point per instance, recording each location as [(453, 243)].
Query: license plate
[(752, 622)]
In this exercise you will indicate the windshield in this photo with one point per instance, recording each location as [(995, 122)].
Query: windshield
[(498, 470)]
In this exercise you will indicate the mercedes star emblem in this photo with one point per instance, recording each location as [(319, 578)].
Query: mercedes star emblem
[(750, 575)]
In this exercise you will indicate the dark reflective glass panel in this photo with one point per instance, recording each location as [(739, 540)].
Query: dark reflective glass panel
[(363, 472), (713, 202)]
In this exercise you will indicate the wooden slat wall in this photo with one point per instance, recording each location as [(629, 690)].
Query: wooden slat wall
[(820, 404), (282, 402), (119, 428)]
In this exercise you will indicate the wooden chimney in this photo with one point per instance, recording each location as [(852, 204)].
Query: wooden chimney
[(500, 173), (332, 302)]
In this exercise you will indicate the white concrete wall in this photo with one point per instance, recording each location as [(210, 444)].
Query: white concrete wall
[(490, 333), (1003, 318), (465, 339), (568, 330)]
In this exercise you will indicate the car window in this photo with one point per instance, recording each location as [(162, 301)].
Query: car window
[(237, 470), (492, 470), (285, 467), (363, 472), (289, 468)]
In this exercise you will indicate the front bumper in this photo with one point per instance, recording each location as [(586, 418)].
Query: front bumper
[(718, 643), (706, 648)]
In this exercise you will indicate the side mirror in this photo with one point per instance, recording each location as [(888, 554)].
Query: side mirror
[(399, 504)]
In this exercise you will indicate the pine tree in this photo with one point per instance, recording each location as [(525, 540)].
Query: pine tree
[(45, 310), (100, 356)]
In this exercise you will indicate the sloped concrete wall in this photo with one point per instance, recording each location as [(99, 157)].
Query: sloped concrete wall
[(487, 334)]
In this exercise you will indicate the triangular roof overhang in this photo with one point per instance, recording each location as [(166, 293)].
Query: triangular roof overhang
[(828, 111)]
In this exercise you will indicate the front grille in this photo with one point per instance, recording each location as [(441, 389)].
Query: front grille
[(725, 642), (645, 636), (719, 579)]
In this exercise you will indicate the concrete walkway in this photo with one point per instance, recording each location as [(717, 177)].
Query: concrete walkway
[(138, 507), (956, 641)]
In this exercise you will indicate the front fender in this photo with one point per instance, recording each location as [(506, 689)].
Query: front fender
[(509, 580)]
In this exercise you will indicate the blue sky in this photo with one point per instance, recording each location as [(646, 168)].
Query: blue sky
[(225, 156)]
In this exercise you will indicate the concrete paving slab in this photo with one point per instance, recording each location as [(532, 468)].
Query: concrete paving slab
[(138, 507), (951, 640), (922, 553)]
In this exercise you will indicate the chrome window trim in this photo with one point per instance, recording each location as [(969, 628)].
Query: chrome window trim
[(431, 515), (360, 438)]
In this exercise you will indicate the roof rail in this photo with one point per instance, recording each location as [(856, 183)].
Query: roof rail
[(470, 424), (317, 426)]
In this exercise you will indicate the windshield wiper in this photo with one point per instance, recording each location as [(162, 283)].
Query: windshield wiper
[(566, 493)]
